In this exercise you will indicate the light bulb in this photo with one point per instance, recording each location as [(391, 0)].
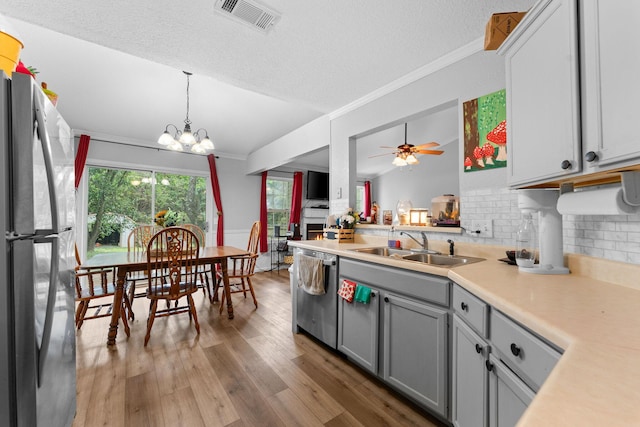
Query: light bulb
[(399, 161), (176, 146), (187, 138), (165, 138), (198, 149), (207, 144), (412, 160)]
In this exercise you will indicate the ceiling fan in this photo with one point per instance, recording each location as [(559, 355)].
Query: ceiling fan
[(406, 153)]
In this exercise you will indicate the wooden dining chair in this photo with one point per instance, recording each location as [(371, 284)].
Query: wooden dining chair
[(137, 243), (240, 269), (205, 271), (172, 266), (95, 290)]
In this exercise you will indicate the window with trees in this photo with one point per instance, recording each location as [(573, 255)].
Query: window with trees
[(121, 199), (278, 204), (359, 199)]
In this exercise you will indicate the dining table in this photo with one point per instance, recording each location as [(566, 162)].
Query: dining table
[(125, 262)]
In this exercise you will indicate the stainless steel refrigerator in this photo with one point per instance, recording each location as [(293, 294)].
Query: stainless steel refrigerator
[(37, 334)]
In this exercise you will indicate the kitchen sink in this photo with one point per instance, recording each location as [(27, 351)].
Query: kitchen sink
[(442, 260), (384, 251), (420, 255)]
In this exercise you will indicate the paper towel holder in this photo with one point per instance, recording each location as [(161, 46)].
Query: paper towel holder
[(631, 187)]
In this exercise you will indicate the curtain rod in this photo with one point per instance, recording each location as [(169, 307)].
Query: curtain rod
[(147, 147)]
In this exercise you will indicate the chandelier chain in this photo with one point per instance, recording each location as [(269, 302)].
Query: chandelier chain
[(186, 120)]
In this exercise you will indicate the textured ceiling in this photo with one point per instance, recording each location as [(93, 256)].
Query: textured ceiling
[(121, 60)]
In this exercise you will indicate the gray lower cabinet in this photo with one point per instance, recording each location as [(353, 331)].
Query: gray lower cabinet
[(358, 331), (470, 377), (402, 335), (497, 364), (414, 350), (509, 396)]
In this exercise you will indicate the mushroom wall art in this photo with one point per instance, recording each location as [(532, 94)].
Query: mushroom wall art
[(485, 132)]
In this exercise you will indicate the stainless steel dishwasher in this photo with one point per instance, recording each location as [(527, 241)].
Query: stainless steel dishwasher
[(318, 314)]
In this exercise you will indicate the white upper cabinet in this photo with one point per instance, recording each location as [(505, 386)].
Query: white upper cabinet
[(542, 85), (610, 78), (571, 80)]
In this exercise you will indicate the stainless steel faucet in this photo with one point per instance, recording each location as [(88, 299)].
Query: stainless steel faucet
[(425, 241)]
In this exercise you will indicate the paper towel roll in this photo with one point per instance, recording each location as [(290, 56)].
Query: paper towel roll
[(602, 201)]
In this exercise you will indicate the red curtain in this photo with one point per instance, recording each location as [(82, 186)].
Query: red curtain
[(367, 199), (215, 185), (263, 213), (296, 199), (81, 157)]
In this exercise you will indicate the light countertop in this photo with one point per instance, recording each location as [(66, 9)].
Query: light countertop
[(596, 322)]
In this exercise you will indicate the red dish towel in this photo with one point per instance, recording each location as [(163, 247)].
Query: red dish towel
[(347, 290)]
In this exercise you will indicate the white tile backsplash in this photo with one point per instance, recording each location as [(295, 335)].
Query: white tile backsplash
[(613, 237)]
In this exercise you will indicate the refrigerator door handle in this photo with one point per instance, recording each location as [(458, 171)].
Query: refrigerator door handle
[(48, 161), (51, 302)]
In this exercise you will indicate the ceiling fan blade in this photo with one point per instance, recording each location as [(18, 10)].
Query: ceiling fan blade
[(386, 146), (427, 145), (435, 152), (378, 155)]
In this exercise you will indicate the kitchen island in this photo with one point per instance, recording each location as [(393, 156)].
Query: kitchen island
[(595, 322)]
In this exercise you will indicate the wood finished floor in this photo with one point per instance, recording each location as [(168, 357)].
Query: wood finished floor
[(249, 371)]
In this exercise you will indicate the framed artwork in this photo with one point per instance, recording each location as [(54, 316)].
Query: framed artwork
[(485, 132)]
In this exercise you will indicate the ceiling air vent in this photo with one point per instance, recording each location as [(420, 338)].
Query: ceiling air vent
[(248, 12)]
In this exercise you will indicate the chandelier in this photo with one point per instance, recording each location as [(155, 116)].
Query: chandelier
[(183, 140)]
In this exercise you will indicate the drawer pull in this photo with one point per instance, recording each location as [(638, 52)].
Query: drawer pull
[(464, 306), (386, 299), (489, 365), (565, 165), (478, 348), (515, 350)]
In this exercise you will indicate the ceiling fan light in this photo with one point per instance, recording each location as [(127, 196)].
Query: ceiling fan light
[(412, 159), (165, 138), (399, 161)]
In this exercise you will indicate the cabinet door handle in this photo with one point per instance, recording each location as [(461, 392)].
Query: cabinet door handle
[(464, 306), (489, 366), (373, 294), (515, 350), (566, 164), (386, 299), (478, 348), (591, 156)]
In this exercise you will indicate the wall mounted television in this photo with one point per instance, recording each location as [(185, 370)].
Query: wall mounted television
[(317, 185)]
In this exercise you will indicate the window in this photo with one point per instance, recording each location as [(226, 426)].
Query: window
[(278, 204), (359, 207), (121, 199)]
